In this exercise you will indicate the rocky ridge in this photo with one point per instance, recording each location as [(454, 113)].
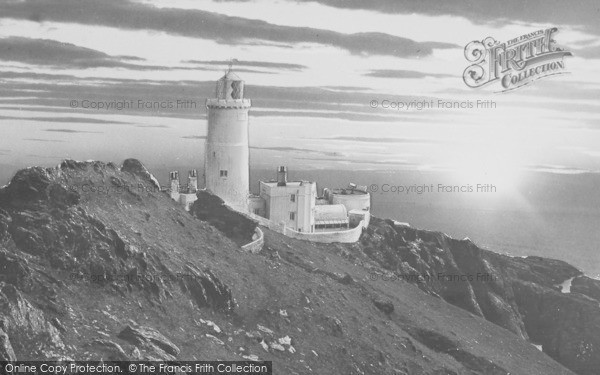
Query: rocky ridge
[(522, 295), (97, 263)]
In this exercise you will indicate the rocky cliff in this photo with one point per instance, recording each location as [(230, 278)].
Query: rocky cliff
[(522, 295), (97, 263)]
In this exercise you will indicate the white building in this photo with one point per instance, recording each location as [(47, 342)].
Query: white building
[(185, 196), (331, 217), (296, 206), (291, 207), (227, 158), (289, 202), (356, 200)]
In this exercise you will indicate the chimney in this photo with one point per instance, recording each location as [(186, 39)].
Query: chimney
[(281, 176), (192, 181), (174, 177)]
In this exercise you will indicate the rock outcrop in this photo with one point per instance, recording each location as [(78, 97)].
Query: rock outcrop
[(566, 325), (234, 225), (136, 168), (25, 324), (154, 343), (6, 351), (519, 294), (586, 286), (49, 238)]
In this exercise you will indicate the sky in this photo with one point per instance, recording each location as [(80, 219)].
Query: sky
[(313, 70)]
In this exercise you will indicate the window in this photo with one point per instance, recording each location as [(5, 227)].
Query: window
[(223, 173), (292, 216), (293, 198), (236, 90), (256, 211)]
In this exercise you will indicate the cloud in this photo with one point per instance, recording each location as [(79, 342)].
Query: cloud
[(194, 137), (44, 156), (70, 131), (346, 88), (380, 140), (588, 52), (313, 102), (331, 115), (254, 64), (152, 126), (585, 12), (208, 25), (392, 73), (80, 120), (130, 58), (53, 53), (355, 161), (56, 54), (43, 140), (559, 169), (302, 150)]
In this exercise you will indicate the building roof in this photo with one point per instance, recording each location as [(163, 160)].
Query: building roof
[(331, 213), (359, 190), (231, 76), (287, 183)]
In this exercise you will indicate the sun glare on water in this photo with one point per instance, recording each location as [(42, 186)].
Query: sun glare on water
[(500, 172)]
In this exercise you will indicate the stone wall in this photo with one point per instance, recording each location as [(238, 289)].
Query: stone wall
[(345, 236), (256, 245)]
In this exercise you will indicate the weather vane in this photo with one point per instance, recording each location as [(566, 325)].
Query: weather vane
[(231, 62)]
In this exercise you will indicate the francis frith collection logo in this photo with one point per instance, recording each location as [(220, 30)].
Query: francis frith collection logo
[(514, 63)]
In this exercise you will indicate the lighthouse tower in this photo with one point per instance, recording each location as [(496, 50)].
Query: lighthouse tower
[(227, 159)]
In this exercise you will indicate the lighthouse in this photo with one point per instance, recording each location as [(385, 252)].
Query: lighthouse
[(227, 159)]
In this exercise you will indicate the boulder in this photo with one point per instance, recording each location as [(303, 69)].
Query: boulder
[(386, 307)]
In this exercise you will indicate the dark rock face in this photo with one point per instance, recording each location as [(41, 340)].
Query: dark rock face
[(157, 346), (519, 294), (136, 168), (48, 237), (211, 208), (109, 350), (586, 286), (567, 325), (456, 270), (6, 351), (442, 344), (33, 185), (207, 290), (23, 323), (13, 269)]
